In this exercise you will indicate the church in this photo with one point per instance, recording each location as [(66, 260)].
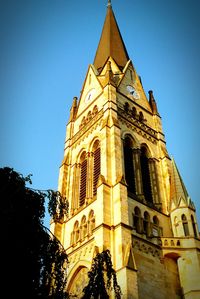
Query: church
[(125, 192)]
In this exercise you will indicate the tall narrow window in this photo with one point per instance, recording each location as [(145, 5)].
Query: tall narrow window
[(137, 225), (91, 222), (146, 224), (97, 166), (185, 225), (128, 164), (141, 116), (76, 232), (83, 179), (146, 181), (194, 226), (156, 229), (83, 228)]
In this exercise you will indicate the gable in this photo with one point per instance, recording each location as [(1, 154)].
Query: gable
[(131, 86), (90, 91)]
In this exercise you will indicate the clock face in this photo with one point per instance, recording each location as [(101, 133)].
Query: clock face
[(89, 95), (132, 91)]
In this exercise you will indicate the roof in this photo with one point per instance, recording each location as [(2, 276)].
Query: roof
[(178, 190), (111, 43)]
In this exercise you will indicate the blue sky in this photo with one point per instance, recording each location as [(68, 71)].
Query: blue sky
[(46, 47)]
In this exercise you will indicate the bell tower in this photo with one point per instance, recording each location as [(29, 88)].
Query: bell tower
[(125, 192)]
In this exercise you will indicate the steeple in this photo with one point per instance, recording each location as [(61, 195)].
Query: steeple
[(111, 42), (178, 189)]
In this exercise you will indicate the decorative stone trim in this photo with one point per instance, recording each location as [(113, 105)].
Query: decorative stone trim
[(137, 126), (149, 249), (88, 128)]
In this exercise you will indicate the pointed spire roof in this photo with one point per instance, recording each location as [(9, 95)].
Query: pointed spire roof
[(178, 190), (111, 42)]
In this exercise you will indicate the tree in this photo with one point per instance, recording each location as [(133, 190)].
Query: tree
[(33, 260), (102, 278)]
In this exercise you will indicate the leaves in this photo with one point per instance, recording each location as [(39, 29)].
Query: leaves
[(58, 205), (102, 278), (34, 260)]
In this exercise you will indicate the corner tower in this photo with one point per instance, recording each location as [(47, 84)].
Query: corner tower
[(125, 193)]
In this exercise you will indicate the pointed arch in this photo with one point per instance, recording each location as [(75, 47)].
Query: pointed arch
[(91, 222), (146, 224), (83, 178), (76, 232), (133, 112), (83, 227), (194, 226), (128, 164), (78, 279), (185, 225), (141, 116), (145, 171), (156, 230), (96, 149), (137, 225)]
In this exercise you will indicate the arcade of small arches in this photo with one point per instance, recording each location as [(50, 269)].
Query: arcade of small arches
[(133, 112), (143, 224), (89, 116), (84, 229)]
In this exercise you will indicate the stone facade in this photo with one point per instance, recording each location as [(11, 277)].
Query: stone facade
[(125, 193)]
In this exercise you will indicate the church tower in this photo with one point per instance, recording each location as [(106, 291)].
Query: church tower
[(125, 193)]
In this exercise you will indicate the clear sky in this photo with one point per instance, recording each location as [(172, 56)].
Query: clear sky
[(46, 47)]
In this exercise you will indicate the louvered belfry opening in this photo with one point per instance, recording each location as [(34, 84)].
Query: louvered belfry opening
[(128, 163), (146, 180), (83, 179), (97, 166)]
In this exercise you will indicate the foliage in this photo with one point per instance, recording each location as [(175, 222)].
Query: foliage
[(58, 206), (34, 261), (102, 278)]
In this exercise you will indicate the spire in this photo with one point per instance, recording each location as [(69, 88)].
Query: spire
[(178, 189), (109, 3), (111, 42)]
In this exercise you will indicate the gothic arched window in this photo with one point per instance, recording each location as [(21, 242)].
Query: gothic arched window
[(146, 180), (194, 226), (83, 179), (134, 112), (76, 232), (141, 116), (185, 225), (95, 110), (128, 164), (83, 228), (126, 107), (137, 225), (91, 222), (155, 230), (146, 224), (96, 165), (155, 220)]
